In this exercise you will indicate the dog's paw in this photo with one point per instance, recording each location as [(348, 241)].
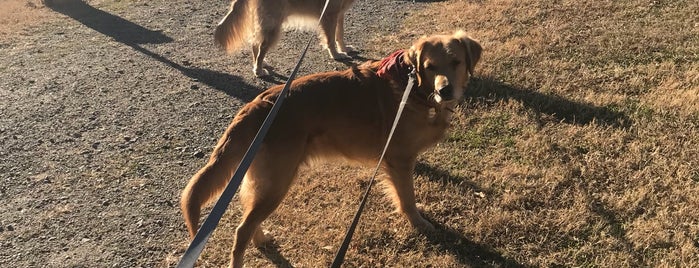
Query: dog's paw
[(266, 65), (260, 238), (347, 49), (340, 56), (260, 72), (423, 225), (419, 222)]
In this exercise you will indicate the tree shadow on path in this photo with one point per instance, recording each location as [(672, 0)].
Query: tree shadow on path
[(134, 35), (119, 29)]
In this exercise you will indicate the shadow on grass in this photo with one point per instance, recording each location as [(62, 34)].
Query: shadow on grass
[(466, 251), (134, 35), (616, 228), (436, 174), (489, 90), (271, 251)]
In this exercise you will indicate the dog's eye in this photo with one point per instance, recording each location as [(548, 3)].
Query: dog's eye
[(455, 62), (429, 67)]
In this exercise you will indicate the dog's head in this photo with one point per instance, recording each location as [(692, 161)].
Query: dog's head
[(444, 64)]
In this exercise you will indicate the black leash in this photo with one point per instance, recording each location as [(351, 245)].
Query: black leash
[(207, 228), (340, 257)]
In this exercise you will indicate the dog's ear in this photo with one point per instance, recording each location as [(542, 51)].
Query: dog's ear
[(473, 50), (413, 58)]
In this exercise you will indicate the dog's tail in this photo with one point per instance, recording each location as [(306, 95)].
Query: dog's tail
[(235, 28), (210, 181)]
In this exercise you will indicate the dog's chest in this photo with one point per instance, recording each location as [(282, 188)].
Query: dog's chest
[(443, 118), (430, 127)]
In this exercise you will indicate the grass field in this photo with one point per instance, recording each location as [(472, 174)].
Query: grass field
[(577, 146), (578, 143)]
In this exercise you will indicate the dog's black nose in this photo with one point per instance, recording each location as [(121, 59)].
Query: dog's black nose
[(446, 92)]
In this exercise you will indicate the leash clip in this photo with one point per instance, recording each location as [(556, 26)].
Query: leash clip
[(413, 73), (412, 78)]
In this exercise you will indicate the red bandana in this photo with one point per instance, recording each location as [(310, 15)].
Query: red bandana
[(395, 68)]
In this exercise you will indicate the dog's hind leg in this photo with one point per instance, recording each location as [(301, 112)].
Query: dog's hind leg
[(264, 187), (210, 181), (267, 37), (329, 27), (400, 182)]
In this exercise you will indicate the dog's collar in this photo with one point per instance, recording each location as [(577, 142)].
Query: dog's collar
[(395, 68)]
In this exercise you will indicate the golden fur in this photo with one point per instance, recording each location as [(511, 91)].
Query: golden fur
[(343, 113), (261, 22)]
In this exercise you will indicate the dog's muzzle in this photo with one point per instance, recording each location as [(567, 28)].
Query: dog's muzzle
[(445, 93)]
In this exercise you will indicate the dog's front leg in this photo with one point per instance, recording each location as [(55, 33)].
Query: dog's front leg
[(340, 35), (400, 183), (329, 27)]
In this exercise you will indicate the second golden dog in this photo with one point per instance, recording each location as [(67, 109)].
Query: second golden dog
[(260, 21)]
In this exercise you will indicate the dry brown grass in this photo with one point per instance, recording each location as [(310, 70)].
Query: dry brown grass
[(577, 146), (16, 15)]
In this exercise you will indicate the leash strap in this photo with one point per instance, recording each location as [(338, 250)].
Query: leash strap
[(340, 256), (207, 228)]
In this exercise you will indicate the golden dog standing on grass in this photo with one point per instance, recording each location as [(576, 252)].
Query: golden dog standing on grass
[(261, 22), (343, 114)]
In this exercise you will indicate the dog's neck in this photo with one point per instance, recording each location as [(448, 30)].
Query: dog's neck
[(395, 68)]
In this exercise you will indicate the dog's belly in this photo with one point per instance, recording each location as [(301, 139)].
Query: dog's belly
[(347, 145), (307, 8)]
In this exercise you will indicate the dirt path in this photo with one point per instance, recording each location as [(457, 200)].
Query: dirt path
[(109, 106)]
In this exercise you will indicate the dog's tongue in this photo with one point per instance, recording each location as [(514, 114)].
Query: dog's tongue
[(394, 68)]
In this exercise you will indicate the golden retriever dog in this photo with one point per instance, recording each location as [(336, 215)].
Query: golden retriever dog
[(342, 114), (260, 21)]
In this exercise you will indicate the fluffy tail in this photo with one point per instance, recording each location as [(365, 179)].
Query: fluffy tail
[(210, 181), (234, 29)]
